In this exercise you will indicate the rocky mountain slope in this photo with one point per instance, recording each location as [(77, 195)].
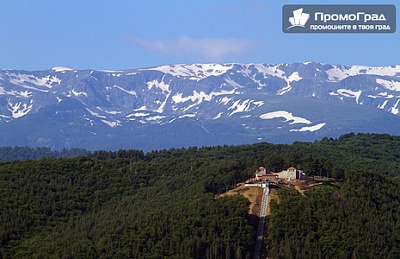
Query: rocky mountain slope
[(196, 104)]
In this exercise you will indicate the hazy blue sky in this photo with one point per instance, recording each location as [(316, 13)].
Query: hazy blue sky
[(123, 34)]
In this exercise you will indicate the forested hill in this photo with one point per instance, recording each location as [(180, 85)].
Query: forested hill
[(161, 204), (359, 219), (25, 153)]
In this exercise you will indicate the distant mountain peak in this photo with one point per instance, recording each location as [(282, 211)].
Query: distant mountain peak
[(233, 97)]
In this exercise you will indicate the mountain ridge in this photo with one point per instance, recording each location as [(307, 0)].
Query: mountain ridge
[(251, 102)]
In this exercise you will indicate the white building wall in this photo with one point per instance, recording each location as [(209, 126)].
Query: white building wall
[(288, 175)]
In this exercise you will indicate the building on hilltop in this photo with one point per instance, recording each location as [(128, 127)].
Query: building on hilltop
[(274, 178), (260, 173), (291, 174), (262, 176)]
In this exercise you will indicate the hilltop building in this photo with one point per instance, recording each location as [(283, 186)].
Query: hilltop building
[(263, 176), (291, 174)]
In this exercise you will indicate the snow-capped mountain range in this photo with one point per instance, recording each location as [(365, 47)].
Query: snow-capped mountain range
[(197, 104)]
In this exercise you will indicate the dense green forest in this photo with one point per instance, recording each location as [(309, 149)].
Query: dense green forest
[(162, 203), (25, 153), (124, 204), (359, 219)]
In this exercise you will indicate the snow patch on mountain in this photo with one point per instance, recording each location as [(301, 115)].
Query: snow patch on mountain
[(112, 71), (20, 109), (28, 80), (189, 115), (249, 74), (383, 71), (390, 85), (162, 106), (310, 128), (347, 93), (198, 96), (286, 115), (95, 114), (4, 116), (177, 98), (161, 85), (350, 94), (141, 108), (285, 90), (293, 77), (232, 83), (112, 124), (244, 106), (112, 112), (194, 71), (138, 114), (382, 106), (133, 93), (219, 115), (267, 70), (62, 69), (338, 73), (382, 95), (78, 93), (225, 100), (239, 107), (25, 94), (155, 118), (395, 108)]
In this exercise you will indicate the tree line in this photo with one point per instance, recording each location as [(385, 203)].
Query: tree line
[(161, 204), (26, 153)]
